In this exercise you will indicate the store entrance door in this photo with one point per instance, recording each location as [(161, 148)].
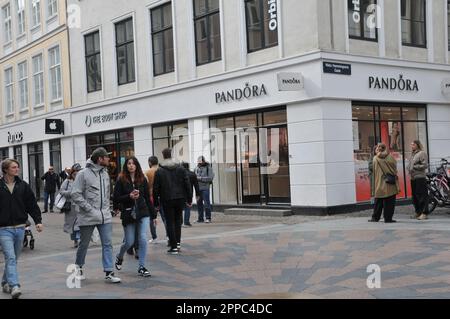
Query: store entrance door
[(36, 169)]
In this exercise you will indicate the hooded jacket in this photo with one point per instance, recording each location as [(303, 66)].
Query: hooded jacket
[(205, 175), (171, 183), (15, 206), (383, 164), (91, 193)]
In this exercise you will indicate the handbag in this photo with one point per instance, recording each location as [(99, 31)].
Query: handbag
[(60, 200), (389, 178)]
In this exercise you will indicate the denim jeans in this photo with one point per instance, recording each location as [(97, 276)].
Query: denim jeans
[(130, 230), (75, 235), (11, 240), (52, 200), (204, 205), (187, 215), (105, 232)]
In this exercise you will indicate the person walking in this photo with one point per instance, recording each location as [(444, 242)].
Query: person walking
[(131, 191), (194, 184), (153, 164), (51, 182), (386, 185), (205, 177), (91, 193), (172, 191), (17, 202), (417, 167), (70, 210)]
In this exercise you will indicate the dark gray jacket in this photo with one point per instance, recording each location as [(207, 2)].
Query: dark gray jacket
[(205, 176)]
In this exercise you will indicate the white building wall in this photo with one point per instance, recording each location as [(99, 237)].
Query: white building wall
[(143, 146), (46, 155), (24, 168), (67, 154), (439, 131), (80, 149)]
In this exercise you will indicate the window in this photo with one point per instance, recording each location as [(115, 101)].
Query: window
[(207, 31), (18, 157), (23, 85), (361, 23), (162, 39), (35, 12), (262, 24), (55, 155), (7, 23), (55, 73), (93, 66), (38, 80), (52, 8), (413, 23), (9, 91), (173, 135), (20, 5), (125, 51), (4, 153)]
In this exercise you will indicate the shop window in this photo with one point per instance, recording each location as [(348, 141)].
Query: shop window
[(18, 157), (362, 19), (55, 155), (4, 153), (173, 135), (396, 126), (413, 13)]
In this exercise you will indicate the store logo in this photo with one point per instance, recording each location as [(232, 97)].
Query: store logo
[(105, 118), (15, 137), (445, 86), (273, 22), (372, 12), (54, 126), (88, 120), (290, 81), (239, 94), (392, 84)]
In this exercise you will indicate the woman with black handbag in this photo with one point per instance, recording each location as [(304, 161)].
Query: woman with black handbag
[(70, 211), (132, 194), (385, 183)]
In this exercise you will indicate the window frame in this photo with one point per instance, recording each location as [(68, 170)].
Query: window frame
[(91, 36), (53, 71), (163, 31), (52, 6), (208, 16), (424, 22), (7, 23), (38, 74), (9, 88), (362, 27), (22, 79), (35, 14), (125, 44), (20, 18), (261, 24)]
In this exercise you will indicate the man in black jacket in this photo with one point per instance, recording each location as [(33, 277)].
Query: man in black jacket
[(194, 184), (51, 181), (172, 191), (17, 201)]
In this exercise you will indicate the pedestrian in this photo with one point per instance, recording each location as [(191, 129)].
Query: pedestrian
[(205, 177), (194, 184), (153, 164), (131, 191), (70, 210), (371, 176), (172, 191), (51, 183), (91, 193), (385, 183), (17, 202), (417, 167), (65, 173)]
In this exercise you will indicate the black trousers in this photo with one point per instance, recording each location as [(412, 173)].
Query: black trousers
[(420, 195), (174, 218), (385, 206)]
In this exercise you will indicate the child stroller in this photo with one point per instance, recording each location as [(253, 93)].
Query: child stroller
[(28, 234)]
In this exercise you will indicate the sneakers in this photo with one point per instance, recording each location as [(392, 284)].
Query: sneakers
[(422, 217), (142, 271), (178, 246), (118, 263), (199, 221), (153, 241), (110, 277), (80, 274), (208, 221), (6, 288), (15, 292), (173, 251)]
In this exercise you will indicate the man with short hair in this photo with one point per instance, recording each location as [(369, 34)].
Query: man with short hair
[(91, 193), (17, 202), (153, 163), (64, 174), (172, 191), (51, 182)]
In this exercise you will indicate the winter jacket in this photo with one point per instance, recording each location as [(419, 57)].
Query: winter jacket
[(150, 174), (122, 200), (171, 183), (418, 165), (51, 181), (15, 207), (194, 182), (70, 216), (383, 164), (205, 176), (91, 193)]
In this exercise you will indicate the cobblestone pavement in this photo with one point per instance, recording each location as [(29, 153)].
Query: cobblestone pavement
[(258, 257)]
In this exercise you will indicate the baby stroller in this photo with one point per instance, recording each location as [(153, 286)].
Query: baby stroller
[(28, 234)]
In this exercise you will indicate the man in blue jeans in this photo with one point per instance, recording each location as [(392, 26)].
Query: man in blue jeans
[(205, 177), (17, 201), (52, 184), (91, 193)]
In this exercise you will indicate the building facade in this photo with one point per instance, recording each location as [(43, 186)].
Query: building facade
[(285, 98)]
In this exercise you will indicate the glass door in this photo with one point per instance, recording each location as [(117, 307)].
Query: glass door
[(36, 169), (249, 164)]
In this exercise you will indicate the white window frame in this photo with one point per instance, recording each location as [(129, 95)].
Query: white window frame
[(7, 24), (52, 8), (22, 78), (9, 91), (35, 13), (38, 74), (20, 6), (55, 77)]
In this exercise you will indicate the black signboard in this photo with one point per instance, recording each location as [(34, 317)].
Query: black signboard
[(54, 126), (337, 68)]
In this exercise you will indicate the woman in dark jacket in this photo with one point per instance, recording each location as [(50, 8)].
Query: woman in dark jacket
[(132, 195)]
